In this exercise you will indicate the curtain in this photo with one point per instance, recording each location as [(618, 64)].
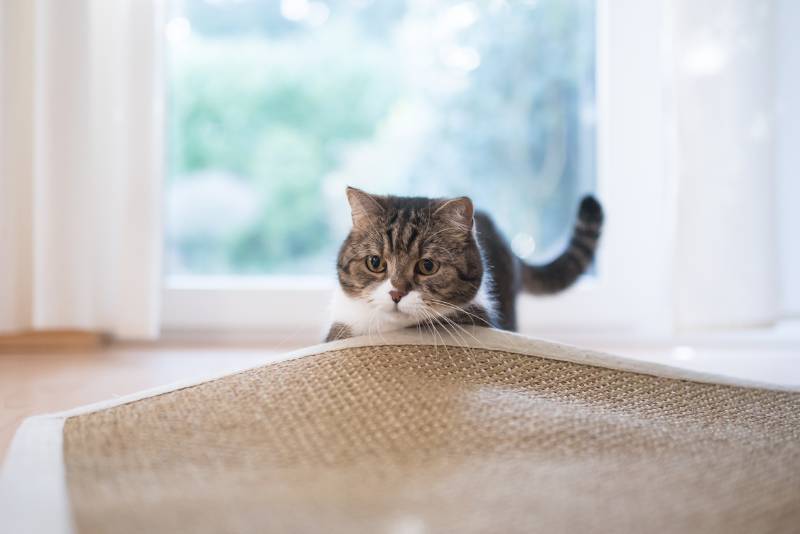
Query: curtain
[(80, 166), (787, 141), (721, 76)]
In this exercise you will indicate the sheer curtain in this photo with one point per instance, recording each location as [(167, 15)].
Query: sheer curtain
[(80, 166), (787, 164), (721, 76)]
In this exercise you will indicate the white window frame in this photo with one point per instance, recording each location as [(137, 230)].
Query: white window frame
[(631, 292)]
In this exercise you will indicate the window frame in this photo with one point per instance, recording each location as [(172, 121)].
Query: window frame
[(631, 292)]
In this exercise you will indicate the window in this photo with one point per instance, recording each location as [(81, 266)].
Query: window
[(275, 106)]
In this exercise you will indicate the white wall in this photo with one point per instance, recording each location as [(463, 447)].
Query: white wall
[(787, 150)]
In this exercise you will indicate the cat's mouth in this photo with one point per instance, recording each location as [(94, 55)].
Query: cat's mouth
[(395, 311)]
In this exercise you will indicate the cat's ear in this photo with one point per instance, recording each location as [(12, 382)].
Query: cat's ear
[(364, 208), (456, 211)]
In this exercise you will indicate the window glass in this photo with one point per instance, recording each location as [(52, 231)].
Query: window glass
[(276, 106)]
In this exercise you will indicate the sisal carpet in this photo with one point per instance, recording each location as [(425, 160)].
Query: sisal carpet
[(411, 438)]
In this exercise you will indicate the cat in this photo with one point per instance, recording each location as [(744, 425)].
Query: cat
[(414, 261)]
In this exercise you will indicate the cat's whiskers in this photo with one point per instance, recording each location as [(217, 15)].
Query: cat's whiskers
[(425, 311), (429, 319), (372, 321), (455, 333), (450, 333), (441, 337), (456, 308), (427, 326), (380, 333), (450, 309), (470, 315), (459, 327)]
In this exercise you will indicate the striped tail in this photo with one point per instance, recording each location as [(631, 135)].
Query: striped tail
[(562, 272)]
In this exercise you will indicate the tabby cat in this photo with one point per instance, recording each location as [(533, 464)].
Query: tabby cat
[(412, 261)]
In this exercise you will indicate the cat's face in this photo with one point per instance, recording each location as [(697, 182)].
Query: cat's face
[(410, 257)]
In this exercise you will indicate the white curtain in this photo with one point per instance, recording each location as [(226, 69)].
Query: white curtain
[(721, 79), (787, 164), (80, 166)]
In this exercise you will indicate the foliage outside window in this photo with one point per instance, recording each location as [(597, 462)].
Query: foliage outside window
[(276, 106)]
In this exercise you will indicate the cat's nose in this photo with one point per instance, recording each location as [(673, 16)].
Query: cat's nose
[(397, 295)]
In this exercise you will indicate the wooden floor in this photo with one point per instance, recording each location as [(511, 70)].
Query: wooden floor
[(48, 381), (44, 382)]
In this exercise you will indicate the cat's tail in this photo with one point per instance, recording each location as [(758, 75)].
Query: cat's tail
[(562, 272)]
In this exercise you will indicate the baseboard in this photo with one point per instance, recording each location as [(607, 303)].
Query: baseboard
[(37, 340)]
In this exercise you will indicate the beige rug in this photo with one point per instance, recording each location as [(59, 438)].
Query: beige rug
[(502, 434)]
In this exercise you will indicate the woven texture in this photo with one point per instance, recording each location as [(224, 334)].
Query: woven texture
[(413, 439)]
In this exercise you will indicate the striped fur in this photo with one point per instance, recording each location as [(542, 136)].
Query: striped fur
[(465, 247), (562, 272)]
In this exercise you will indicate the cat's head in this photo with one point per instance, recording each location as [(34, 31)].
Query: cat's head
[(410, 256)]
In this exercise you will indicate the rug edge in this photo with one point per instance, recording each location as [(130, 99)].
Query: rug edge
[(502, 340), (33, 480), (485, 338)]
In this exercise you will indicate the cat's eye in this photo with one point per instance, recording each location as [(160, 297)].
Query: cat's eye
[(376, 264), (427, 266)]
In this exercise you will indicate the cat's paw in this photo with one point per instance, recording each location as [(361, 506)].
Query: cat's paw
[(338, 331)]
